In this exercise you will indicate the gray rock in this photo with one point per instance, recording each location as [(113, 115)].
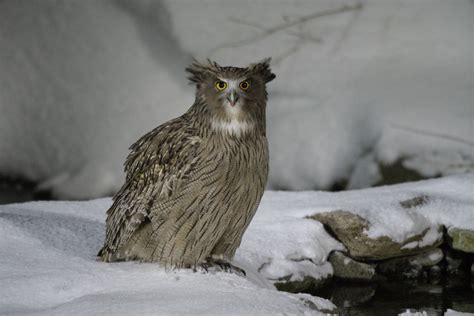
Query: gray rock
[(435, 272), (347, 268), (307, 284), (461, 239), (410, 266), (349, 229), (454, 262)]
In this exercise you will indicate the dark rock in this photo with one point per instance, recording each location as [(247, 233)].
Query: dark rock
[(410, 266), (306, 285), (347, 268)]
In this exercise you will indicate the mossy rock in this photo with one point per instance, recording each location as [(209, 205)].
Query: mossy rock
[(350, 229), (461, 239)]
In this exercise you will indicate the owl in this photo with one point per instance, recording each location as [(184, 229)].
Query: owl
[(193, 184)]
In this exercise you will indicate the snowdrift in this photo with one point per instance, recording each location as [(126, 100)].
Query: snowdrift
[(48, 249), (358, 86)]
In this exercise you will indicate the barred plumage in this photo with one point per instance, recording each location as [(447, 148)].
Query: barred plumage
[(194, 183)]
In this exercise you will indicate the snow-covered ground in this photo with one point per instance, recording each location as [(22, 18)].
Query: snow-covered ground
[(358, 84), (48, 265)]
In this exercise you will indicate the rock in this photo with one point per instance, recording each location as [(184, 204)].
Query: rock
[(461, 239), (455, 261), (465, 308), (410, 266), (306, 285), (434, 273), (350, 230), (347, 268)]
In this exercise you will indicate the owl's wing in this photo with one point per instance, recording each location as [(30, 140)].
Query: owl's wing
[(156, 166)]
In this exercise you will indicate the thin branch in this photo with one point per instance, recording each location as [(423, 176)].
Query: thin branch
[(346, 30), (278, 28), (264, 29), (433, 134)]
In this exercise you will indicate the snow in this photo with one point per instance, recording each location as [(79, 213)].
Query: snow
[(81, 81), (48, 267), (410, 313), (48, 264), (74, 76), (449, 312)]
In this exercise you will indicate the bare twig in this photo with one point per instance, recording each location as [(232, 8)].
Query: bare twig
[(433, 134), (264, 29), (284, 26), (346, 30)]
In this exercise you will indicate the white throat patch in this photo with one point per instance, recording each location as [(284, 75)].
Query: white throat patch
[(233, 127)]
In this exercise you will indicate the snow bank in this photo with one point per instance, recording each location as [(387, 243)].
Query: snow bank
[(449, 202), (359, 86), (368, 82), (449, 312), (78, 86), (48, 266)]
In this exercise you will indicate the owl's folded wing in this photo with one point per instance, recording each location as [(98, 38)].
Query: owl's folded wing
[(158, 163)]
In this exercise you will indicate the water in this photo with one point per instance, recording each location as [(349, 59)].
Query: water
[(15, 191), (392, 297)]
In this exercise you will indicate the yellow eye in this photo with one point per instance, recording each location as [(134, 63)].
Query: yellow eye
[(244, 85), (220, 85)]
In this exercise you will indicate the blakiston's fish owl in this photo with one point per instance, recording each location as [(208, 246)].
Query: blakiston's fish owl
[(194, 183)]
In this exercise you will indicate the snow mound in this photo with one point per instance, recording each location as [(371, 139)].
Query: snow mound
[(357, 85), (78, 87), (48, 263), (47, 255)]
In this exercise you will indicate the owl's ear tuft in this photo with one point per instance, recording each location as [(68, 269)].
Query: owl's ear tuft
[(262, 69), (198, 72)]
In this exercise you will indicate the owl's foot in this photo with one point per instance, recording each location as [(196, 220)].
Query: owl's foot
[(214, 265)]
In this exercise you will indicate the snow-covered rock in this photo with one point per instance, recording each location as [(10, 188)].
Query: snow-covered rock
[(351, 230)]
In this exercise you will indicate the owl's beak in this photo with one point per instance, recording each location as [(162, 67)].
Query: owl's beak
[(232, 98)]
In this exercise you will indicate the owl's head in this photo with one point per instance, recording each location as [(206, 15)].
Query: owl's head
[(232, 93)]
